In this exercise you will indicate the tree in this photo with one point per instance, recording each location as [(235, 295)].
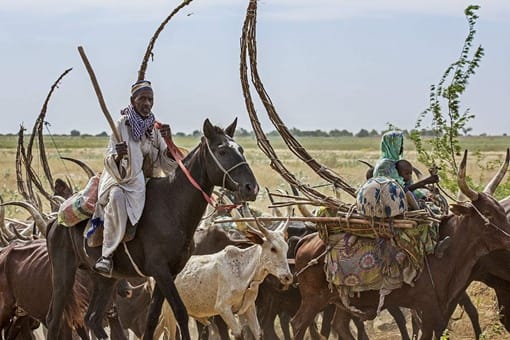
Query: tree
[(75, 133), (447, 126), (102, 134), (374, 133), (362, 133)]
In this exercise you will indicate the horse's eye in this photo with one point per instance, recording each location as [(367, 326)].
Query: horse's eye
[(273, 249), (241, 150), (222, 151)]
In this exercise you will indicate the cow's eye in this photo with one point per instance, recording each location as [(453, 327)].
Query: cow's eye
[(273, 249)]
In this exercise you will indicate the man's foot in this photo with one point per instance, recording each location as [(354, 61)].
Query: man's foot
[(441, 246), (104, 265)]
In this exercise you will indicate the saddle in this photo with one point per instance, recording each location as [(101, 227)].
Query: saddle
[(96, 239)]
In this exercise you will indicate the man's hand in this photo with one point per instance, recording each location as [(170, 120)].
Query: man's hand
[(165, 131), (121, 150)]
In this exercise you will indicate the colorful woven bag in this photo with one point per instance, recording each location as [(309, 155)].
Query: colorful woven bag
[(80, 206)]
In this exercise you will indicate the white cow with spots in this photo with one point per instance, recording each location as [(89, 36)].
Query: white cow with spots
[(226, 283)]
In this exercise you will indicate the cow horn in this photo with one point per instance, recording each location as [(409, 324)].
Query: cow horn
[(19, 235), (40, 221), (493, 184), (283, 226), (463, 186), (3, 228), (276, 212), (88, 170), (253, 226), (302, 207), (242, 226)]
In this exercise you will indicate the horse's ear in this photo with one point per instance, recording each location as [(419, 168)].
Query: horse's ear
[(231, 128), (208, 129)]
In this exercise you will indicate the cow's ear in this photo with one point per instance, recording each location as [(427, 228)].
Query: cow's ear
[(459, 209), (253, 237)]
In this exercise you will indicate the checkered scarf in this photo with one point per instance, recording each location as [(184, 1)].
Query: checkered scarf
[(139, 125)]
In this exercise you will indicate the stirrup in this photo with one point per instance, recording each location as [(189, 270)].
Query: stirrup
[(104, 265)]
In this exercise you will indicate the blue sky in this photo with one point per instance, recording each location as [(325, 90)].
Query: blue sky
[(326, 63)]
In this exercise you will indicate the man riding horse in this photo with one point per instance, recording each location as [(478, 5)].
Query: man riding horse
[(141, 154)]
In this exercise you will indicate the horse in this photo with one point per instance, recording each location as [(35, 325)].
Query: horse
[(476, 229), (164, 239)]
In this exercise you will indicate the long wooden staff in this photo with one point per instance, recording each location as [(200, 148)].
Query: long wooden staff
[(102, 103)]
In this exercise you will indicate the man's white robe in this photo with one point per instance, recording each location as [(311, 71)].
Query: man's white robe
[(122, 197)]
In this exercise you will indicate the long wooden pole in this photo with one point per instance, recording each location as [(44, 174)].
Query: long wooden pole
[(396, 223), (99, 94)]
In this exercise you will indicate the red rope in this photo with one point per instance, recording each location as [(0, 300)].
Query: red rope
[(178, 156)]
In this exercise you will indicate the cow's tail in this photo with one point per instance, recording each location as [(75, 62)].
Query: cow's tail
[(75, 309)]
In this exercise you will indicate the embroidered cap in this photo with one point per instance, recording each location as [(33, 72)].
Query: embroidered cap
[(140, 85)]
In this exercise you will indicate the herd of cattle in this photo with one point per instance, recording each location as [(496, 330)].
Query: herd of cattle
[(235, 283)]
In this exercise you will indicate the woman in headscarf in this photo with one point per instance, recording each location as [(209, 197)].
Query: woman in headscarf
[(392, 150)]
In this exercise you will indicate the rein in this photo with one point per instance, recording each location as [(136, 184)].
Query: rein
[(178, 156)]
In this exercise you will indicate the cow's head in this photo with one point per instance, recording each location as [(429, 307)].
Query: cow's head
[(274, 252), (484, 214)]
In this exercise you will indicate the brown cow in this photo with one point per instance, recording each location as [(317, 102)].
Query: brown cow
[(25, 283), (476, 229)]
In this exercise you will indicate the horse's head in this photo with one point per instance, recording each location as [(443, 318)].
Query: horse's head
[(225, 162)]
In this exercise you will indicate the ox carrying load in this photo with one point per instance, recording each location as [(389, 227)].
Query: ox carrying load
[(379, 244)]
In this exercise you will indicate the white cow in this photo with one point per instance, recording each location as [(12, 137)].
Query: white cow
[(227, 282)]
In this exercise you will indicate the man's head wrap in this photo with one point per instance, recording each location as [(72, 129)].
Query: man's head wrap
[(139, 86)]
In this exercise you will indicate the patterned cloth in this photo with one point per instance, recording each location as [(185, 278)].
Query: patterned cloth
[(381, 197), (139, 126), (357, 264), (80, 206)]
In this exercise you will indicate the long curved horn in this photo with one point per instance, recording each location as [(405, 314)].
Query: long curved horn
[(3, 228), (19, 235), (464, 188), (498, 177), (88, 170), (40, 221)]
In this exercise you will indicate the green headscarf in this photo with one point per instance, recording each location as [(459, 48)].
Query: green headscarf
[(392, 145), (392, 150)]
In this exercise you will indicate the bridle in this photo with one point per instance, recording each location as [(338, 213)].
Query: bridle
[(226, 172)]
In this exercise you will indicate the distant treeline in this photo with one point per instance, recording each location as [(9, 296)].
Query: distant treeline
[(241, 132)]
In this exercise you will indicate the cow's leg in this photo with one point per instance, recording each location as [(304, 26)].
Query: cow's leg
[(250, 315), (62, 283), (466, 303), (360, 326), (165, 289), (503, 296), (327, 318), (285, 325), (340, 323), (400, 319), (309, 308), (432, 326), (101, 298), (226, 314)]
